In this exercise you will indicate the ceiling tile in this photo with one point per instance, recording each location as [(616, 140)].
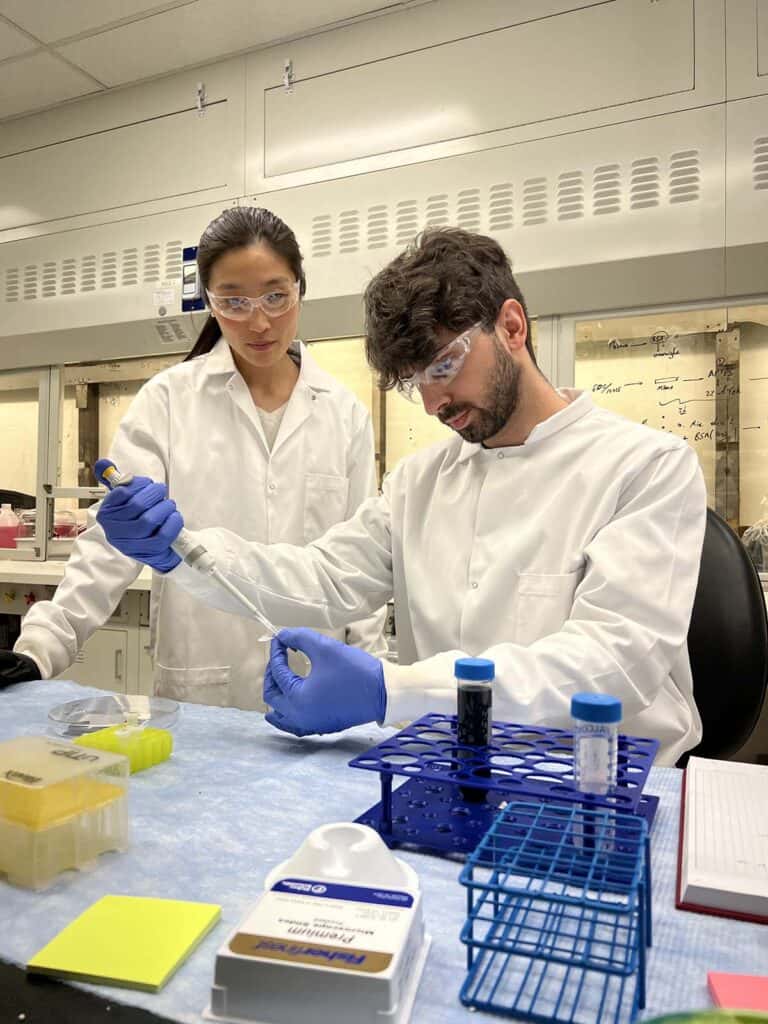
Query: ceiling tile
[(12, 42), (51, 19), (200, 32), (39, 81)]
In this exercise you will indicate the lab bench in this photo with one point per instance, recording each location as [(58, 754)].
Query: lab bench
[(117, 656), (237, 797)]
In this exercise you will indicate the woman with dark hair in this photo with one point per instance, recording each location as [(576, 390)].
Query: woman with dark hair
[(248, 433), (551, 537)]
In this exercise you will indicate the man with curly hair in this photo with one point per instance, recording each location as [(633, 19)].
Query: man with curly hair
[(555, 538)]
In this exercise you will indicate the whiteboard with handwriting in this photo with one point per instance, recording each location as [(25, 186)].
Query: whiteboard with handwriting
[(668, 382)]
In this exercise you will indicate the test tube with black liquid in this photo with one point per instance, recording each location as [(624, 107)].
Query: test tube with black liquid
[(474, 692)]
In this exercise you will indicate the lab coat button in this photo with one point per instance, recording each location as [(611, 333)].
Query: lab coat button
[(475, 585), (500, 455), (273, 487)]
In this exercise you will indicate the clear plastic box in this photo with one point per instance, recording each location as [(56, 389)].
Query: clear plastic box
[(60, 807)]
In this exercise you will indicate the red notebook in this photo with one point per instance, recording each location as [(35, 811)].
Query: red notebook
[(722, 867), (738, 991)]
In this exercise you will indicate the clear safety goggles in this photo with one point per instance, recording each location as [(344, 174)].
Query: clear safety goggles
[(443, 368), (241, 307)]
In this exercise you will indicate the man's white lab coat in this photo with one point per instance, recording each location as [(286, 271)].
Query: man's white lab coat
[(570, 560), (195, 426)]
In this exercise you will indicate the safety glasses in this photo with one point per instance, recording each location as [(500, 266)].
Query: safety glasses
[(241, 307), (443, 368)]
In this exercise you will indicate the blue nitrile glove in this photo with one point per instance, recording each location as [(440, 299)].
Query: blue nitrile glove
[(141, 521), (345, 686)]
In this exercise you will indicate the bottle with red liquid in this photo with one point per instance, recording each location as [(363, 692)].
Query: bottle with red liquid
[(9, 527)]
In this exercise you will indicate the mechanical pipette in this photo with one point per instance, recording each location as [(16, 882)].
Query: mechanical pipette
[(194, 554)]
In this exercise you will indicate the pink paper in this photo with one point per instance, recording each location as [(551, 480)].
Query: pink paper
[(739, 991)]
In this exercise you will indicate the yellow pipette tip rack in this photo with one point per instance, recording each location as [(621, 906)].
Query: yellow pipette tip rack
[(144, 747), (60, 807)]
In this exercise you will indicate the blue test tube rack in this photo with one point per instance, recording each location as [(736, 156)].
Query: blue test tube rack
[(558, 915), (428, 813)]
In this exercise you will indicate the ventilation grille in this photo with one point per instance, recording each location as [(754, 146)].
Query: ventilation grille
[(570, 195), (349, 231), (378, 227), (68, 276), (534, 201), (113, 269), (174, 252), (152, 258), (645, 183), (684, 176), (468, 209), (109, 270), (606, 189), (130, 269), (501, 211), (48, 280), (321, 235), (12, 278), (438, 211), (30, 283), (88, 274), (760, 163), (406, 221)]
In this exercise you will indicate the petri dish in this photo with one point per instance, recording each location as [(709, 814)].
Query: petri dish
[(77, 717)]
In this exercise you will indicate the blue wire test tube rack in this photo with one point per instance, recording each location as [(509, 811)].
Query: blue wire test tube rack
[(558, 915)]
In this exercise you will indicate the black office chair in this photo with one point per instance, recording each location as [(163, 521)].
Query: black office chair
[(17, 499), (727, 643)]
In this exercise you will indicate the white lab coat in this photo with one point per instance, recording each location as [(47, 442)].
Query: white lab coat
[(570, 560), (196, 427)]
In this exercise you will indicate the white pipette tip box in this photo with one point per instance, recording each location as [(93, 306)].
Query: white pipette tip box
[(337, 937), (60, 807)]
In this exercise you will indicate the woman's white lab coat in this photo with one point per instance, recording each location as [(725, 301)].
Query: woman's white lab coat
[(571, 561), (196, 427)]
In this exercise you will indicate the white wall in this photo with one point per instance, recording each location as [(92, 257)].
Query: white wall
[(754, 421), (18, 434)]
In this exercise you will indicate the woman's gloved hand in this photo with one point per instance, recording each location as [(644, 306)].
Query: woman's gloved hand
[(345, 685), (16, 668), (142, 522)]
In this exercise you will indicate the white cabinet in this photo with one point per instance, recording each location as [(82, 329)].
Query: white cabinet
[(143, 149), (462, 88), (145, 664), (747, 48), (103, 662), (117, 656)]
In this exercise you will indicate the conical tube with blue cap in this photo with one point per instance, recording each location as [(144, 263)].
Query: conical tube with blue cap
[(596, 718), (474, 693)]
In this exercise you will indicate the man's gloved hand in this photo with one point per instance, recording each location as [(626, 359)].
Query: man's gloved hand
[(16, 668), (344, 687), (141, 521)]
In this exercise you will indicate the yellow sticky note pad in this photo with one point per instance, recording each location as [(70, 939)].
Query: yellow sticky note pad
[(135, 941)]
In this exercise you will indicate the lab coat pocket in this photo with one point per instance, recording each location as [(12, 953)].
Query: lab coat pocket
[(196, 685), (544, 603), (325, 503)]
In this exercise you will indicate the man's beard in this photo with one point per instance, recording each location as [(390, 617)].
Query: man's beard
[(500, 401)]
